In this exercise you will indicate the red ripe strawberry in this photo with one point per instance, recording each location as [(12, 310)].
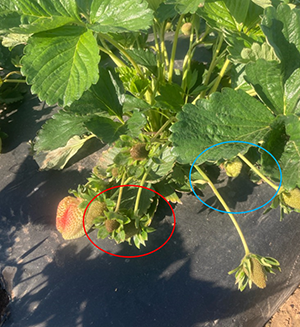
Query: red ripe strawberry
[(69, 218)]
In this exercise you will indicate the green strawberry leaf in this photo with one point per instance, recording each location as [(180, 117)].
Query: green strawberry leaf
[(290, 159), (135, 124), (282, 29), (110, 16), (165, 11), (144, 58), (274, 142), (58, 130), (170, 97), (38, 16), (105, 129), (9, 20), (61, 64), (11, 40), (232, 15), (132, 103), (105, 96), (102, 232), (292, 93), (217, 15), (160, 166), (129, 197), (227, 116), (58, 158), (154, 4), (185, 6), (258, 51), (239, 42), (267, 80), (166, 189), (263, 3)]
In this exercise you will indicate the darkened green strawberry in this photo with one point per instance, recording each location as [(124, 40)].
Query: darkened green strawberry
[(96, 209), (115, 172), (139, 152), (233, 168), (186, 28), (130, 230), (257, 275), (292, 198), (111, 225)]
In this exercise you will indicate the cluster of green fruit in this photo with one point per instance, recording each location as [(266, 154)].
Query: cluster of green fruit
[(114, 218)]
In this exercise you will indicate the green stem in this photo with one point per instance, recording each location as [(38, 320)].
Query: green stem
[(121, 49), (219, 78), (11, 73), (138, 197), (120, 194), (163, 49), (187, 60), (275, 187), (174, 47), (218, 195), (198, 41), (113, 57), (199, 95), (213, 63), (164, 126), (14, 81)]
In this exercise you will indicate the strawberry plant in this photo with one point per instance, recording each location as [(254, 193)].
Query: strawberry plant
[(108, 66)]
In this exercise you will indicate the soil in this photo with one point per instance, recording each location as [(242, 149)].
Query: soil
[(4, 300), (289, 313)]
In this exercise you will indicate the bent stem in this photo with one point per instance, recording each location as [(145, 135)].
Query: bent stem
[(275, 187), (122, 50), (218, 195)]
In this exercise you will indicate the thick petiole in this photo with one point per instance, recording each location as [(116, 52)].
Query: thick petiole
[(218, 195)]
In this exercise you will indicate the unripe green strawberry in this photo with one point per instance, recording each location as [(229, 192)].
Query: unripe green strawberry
[(130, 230), (115, 172), (139, 152), (257, 275), (168, 26), (233, 168), (186, 28), (111, 225), (96, 209), (69, 218), (292, 198)]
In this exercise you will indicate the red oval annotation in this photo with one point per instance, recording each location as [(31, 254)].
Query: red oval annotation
[(130, 256)]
